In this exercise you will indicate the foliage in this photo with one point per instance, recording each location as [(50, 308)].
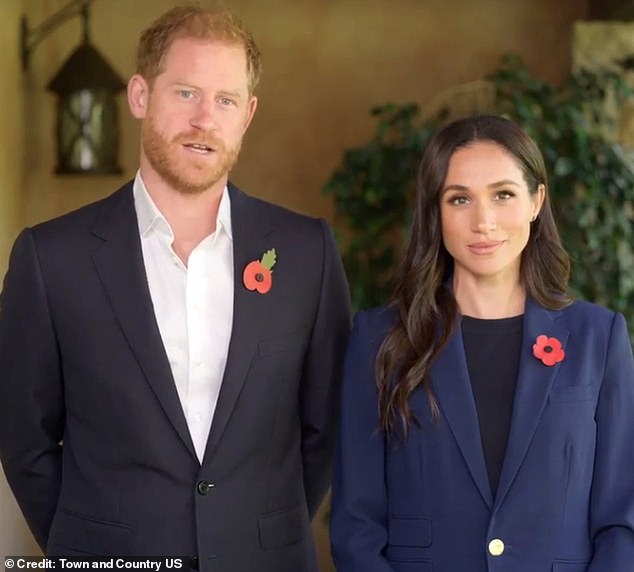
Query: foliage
[(373, 190), (591, 182), (591, 176)]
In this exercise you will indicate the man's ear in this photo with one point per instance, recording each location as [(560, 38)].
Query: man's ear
[(138, 96), (251, 107)]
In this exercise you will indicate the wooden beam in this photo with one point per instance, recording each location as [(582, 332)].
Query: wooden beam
[(611, 10)]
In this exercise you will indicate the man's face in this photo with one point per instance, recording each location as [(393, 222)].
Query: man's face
[(195, 114)]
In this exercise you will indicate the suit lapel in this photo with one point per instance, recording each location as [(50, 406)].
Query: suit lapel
[(534, 383), (452, 387), (119, 263), (249, 307)]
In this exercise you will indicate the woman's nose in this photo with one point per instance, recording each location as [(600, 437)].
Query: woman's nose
[(484, 219)]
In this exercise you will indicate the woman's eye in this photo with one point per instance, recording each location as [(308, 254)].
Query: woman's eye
[(504, 195), (458, 200)]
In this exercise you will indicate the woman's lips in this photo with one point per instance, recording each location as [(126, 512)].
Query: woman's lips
[(487, 247)]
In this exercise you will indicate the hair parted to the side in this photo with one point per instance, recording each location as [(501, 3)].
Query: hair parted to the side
[(424, 304), (198, 23)]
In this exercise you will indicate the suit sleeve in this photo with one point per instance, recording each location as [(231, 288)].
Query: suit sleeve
[(358, 526), (31, 394), (612, 501), (322, 374)]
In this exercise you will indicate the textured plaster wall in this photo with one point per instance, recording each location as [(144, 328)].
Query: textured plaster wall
[(326, 63), (14, 538)]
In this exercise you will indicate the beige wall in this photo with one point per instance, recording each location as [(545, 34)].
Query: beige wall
[(14, 537), (12, 132), (326, 63)]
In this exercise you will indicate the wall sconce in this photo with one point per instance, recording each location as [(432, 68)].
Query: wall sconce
[(87, 129)]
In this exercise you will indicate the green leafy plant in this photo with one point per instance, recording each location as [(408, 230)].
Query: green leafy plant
[(373, 190), (591, 182), (591, 175)]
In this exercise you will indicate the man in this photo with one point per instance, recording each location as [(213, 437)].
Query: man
[(170, 356)]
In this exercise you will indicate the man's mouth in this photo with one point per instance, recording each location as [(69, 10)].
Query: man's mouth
[(198, 147)]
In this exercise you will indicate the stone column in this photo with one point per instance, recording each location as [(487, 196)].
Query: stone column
[(602, 44)]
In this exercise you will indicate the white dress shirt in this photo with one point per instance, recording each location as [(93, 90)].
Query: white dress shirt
[(193, 306)]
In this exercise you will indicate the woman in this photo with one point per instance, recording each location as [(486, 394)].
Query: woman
[(487, 419)]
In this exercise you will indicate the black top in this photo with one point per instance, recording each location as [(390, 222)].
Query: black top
[(493, 348)]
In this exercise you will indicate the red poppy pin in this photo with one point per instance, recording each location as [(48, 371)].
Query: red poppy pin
[(257, 274), (548, 350)]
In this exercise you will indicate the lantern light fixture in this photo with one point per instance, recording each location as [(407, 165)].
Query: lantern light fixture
[(87, 133)]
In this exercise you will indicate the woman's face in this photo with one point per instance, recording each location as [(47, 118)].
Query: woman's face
[(486, 210)]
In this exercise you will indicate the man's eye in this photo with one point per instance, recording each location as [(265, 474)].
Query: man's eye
[(186, 93), (226, 101)]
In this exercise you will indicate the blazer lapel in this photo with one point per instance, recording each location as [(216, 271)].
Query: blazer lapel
[(534, 383), (452, 387), (249, 307), (119, 263)]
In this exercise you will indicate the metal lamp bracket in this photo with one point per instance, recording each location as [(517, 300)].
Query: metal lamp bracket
[(29, 39)]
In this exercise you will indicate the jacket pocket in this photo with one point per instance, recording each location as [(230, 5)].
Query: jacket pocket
[(411, 566), (73, 533), (282, 528), (570, 566), (409, 531)]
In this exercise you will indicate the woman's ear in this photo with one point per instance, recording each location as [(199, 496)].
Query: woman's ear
[(540, 196)]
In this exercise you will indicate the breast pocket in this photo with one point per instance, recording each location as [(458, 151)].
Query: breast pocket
[(570, 566), (572, 393), (292, 342)]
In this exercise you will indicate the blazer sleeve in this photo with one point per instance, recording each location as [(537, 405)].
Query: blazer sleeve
[(321, 380), (358, 526), (31, 393), (612, 500)]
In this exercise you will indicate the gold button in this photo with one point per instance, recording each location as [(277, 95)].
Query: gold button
[(496, 547)]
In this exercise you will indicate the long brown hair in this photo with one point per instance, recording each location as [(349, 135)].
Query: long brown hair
[(424, 304)]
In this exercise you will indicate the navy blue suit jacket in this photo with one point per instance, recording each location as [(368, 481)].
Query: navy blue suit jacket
[(566, 494), (93, 438)]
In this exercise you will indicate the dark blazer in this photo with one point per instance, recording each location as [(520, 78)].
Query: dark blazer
[(93, 438), (565, 500)]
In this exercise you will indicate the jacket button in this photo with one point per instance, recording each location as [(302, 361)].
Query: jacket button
[(496, 547), (204, 487)]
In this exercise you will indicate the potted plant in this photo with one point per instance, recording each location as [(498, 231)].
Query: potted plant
[(591, 182)]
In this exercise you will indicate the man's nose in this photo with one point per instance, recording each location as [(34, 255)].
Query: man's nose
[(204, 117)]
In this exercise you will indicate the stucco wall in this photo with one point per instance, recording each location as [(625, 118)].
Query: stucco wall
[(14, 538), (326, 63)]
